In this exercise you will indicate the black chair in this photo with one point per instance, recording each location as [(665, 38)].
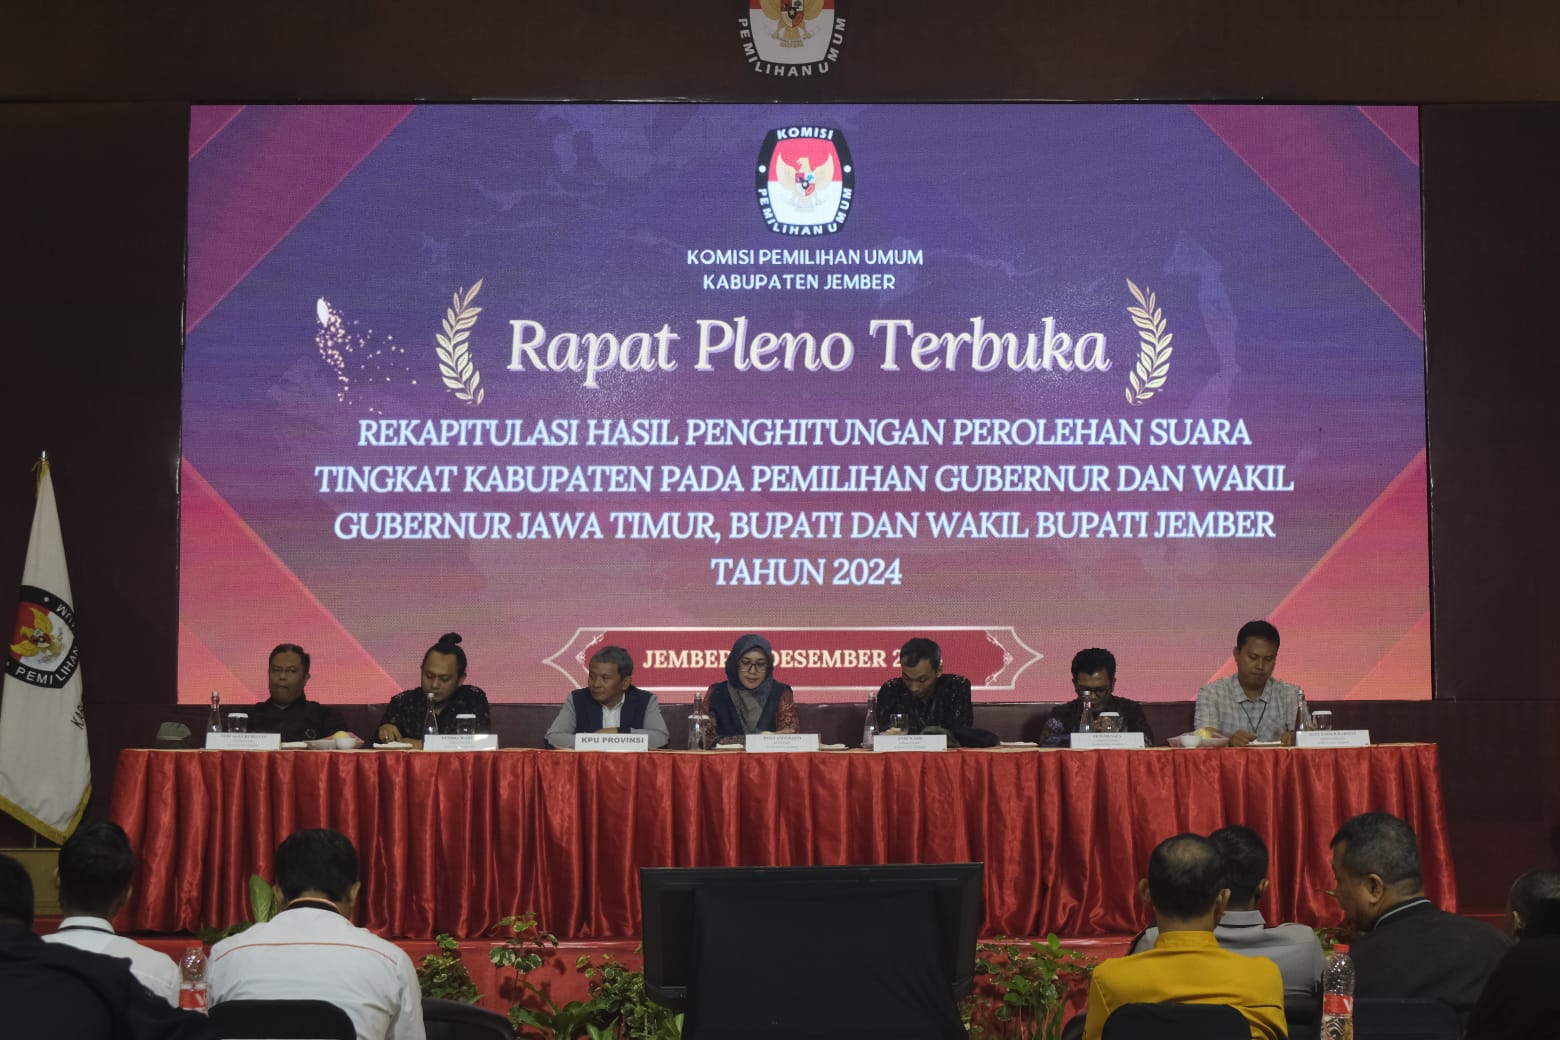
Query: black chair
[(1401, 1018), (1176, 1022), (281, 1020), (1301, 1014), (453, 1020)]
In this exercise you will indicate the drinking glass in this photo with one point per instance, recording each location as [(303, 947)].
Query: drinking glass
[(1321, 719), (898, 723), (465, 725), (1108, 722), (237, 722)]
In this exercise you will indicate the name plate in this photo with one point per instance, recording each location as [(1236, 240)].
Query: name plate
[(1105, 741), (1333, 738), (243, 741), (782, 742), (910, 742), (460, 742), (612, 742)]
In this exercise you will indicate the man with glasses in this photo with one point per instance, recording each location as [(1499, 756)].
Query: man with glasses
[(1094, 682), (289, 711)]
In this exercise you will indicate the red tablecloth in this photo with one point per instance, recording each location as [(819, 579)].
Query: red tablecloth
[(452, 842)]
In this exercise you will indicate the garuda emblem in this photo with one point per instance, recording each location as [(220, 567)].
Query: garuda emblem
[(801, 184), (36, 640), (791, 18)]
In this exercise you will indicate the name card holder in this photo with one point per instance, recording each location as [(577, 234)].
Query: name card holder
[(1106, 741), (460, 742), (612, 742), (1333, 738), (243, 741), (910, 742), (782, 742)]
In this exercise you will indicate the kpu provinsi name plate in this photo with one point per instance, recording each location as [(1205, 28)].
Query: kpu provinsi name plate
[(782, 742), (243, 741), (1333, 738), (612, 742), (461, 742)]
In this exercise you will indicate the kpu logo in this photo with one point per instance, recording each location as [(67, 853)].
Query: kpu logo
[(805, 180), (43, 641), (791, 37)]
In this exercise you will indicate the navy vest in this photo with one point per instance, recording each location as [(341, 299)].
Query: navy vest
[(587, 713)]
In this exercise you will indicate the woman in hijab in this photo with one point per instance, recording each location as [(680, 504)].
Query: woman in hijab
[(749, 700)]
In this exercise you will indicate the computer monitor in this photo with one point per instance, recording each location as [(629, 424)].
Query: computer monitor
[(787, 947)]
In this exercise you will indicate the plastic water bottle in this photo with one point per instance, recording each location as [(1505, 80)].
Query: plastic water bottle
[(696, 725), (869, 727), (1302, 714), (1338, 996), (192, 979), (1086, 717), (430, 720), (214, 720)]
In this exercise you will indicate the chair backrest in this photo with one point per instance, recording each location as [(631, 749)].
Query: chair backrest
[(281, 1020), (1176, 1022), (1301, 1014), (1403, 1018), (452, 1020)]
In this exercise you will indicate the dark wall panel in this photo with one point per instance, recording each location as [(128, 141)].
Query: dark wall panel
[(1491, 218), (92, 207), (92, 215)]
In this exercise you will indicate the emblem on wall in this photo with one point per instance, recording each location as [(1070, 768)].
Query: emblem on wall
[(792, 37)]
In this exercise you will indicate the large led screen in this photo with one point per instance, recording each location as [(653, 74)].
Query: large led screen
[(1022, 378)]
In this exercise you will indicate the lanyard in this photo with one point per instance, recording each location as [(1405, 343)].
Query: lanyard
[(1245, 706)]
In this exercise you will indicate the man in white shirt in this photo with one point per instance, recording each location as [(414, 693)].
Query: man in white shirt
[(311, 949), (94, 877)]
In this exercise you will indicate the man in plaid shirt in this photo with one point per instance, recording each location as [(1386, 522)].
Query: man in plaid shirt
[(1251, 705)]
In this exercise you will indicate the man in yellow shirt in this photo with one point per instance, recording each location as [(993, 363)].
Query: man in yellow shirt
[(1185, 890)]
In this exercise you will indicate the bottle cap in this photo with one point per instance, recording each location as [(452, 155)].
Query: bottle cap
[(1340, 947)]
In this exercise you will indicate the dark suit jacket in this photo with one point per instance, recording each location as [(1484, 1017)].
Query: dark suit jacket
[(1421, 950), (1521, 1000), (51, 991)]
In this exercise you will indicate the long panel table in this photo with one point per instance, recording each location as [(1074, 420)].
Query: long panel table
[(451, 842)]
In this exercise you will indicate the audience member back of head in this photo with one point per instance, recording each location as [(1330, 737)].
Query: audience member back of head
[(55, 992)]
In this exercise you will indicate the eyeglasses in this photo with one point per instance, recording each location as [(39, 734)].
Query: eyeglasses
[(753, 666)]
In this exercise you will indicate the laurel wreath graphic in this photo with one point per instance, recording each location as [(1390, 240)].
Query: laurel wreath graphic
[(1153, 362), (455, 364)]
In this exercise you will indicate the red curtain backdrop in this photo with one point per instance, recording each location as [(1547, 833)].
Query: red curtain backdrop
[(453, 842)]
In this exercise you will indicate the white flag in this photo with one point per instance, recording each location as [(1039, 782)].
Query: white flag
[(45, 776)]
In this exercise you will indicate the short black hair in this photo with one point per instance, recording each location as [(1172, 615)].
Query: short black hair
[(1536, 896), (96, 866), (449, 643), (1087, 662), (291, 648), (1185, 876), (1379, 843), (1256, 630), (615, 655), (1245, 860), (917, 650), (318, 859), (16, 892)]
